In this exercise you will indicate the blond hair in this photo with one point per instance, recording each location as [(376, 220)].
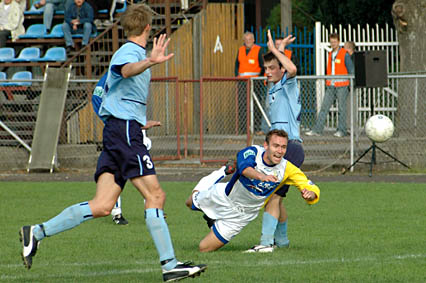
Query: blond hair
[(135, 19)]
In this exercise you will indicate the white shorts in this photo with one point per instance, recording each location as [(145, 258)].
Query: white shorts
[(230, 217)]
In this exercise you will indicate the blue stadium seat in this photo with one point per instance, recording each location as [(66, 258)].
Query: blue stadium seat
[(123, 9), (28, 54), (33, 10), (35, 31), (54, 54), (56, 32), (3, 76), (7, 54), (18, 77), (80, 35)]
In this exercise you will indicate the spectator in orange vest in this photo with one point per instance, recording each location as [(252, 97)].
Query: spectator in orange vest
[(339, 63), (249, 63)]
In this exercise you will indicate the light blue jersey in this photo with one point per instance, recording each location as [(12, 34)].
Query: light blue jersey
[(126, 97), (285, 107)]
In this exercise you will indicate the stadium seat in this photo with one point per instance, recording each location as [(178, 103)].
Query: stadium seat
[(18, 77), (54, 54), (35, 31), (56, 32), (123, 9), (33, 10), (7, 54), (80, 35), (28, 54), (3, 76)]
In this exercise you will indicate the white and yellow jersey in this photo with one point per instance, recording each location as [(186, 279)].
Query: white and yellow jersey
[(252, 193)]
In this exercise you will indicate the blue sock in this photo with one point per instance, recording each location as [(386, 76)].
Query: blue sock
[(69, 218), (159, 231), (269, 223), (281, 239)]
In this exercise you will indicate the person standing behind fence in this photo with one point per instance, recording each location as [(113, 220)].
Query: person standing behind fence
[(339, 63), (284, 112), (124, 155), (11, 21), (249, 63), (350, 48)]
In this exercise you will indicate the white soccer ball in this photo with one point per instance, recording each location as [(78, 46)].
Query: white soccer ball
[(379, 128)]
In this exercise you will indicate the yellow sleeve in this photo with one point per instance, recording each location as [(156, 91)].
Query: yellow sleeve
[(293, 176)]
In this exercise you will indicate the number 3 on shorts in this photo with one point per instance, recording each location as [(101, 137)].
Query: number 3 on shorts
[(147, 161)]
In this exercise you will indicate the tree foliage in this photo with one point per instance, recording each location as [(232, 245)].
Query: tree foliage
[(306, 12)]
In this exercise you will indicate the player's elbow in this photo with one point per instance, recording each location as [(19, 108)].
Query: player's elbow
[(291, 71)]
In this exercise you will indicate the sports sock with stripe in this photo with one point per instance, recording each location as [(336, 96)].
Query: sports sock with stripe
[(159, 231), (69, 218)]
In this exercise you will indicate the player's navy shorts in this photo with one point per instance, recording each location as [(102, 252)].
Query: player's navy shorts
[(296, 155), (124, 153)]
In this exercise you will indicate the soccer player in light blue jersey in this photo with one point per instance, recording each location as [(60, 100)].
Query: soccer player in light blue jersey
[(284, 113), (124, 155)]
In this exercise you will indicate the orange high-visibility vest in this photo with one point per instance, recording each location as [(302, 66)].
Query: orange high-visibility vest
[(339, 67), (249, 63), (287, 53)]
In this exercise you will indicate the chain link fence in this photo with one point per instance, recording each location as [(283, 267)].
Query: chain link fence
[(211, 119)]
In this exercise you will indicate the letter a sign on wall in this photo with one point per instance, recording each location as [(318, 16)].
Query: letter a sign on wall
[(218, 45)]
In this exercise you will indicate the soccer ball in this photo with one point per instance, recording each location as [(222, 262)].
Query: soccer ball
[(379, 128)]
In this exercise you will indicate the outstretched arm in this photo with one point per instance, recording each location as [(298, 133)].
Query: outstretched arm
[(157, 56), (286, 62), (251, 173)]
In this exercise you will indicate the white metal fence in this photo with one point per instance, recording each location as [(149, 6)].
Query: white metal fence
[(365, 38)]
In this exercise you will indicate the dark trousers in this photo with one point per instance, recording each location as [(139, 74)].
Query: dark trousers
[(4, 35)]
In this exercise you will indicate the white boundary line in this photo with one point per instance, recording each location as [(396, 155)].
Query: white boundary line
[(257, 263)]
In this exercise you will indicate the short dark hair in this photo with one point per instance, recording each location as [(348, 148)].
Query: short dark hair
[(335, 36), (280, 133), (268, 57)]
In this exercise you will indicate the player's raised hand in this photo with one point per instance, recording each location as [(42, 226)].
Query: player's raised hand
[(159, 50), (270, 43), (308, 195), (287, 41)]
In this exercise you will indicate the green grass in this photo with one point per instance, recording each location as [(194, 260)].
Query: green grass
[(358, 232)]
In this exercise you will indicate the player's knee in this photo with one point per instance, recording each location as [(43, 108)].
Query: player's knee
[(188, 202), (204, 248), (156, 195), (101, 211)]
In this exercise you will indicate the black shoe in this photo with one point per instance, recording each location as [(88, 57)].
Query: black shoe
[(120, 220), (183, 270), (230, 167), (29, 245), (209, 221)]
